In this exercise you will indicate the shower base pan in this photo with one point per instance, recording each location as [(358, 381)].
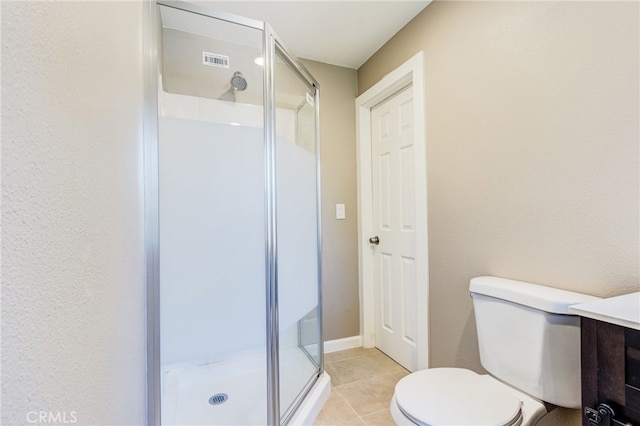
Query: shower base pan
[(233, 392)]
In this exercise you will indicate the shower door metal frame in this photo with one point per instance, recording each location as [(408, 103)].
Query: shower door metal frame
[(272, 46), (150, 24), (275, 46)]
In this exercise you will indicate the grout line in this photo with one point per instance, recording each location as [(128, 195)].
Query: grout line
[(350, 406), (368, 378), (374, 351)]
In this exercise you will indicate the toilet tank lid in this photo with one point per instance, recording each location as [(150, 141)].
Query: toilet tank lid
[(548, 299)]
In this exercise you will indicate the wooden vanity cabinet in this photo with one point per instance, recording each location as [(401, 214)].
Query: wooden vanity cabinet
[(610, 372)]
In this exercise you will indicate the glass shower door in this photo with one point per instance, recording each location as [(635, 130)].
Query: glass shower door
[(235, 302), (297, 232), (211, 174)]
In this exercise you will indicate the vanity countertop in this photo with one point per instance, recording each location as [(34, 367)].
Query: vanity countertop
[(620, 310)]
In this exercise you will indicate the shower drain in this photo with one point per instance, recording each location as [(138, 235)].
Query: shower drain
[(218, 399)]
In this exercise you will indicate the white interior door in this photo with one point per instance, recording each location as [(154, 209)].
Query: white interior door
[(393, 182)]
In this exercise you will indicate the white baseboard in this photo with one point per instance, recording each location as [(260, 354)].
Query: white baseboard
[(342, 344)]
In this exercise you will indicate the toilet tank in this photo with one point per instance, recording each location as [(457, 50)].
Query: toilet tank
[(528, 339)]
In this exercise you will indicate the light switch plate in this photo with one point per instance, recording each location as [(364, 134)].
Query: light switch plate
[(340, 212)]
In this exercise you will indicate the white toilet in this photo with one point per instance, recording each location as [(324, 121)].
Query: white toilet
[(529, 344)]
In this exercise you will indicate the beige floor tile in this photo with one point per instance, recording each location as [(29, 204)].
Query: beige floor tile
[(354, 422), (349, 353), (354, 369), (336, 411), (363, 381), (382, 364), (379, 418), (346, 371), (370, 395)]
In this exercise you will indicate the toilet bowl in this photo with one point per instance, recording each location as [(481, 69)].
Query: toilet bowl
[(456, 396), (529, 344)]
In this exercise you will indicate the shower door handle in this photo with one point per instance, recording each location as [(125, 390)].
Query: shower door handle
[(374, 240)]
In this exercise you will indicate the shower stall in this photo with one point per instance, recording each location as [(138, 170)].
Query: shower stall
[(232, 224)]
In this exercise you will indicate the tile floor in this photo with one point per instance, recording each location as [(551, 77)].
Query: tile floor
[(362, 383)]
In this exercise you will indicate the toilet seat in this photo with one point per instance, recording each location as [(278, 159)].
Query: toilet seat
[(456, 396)]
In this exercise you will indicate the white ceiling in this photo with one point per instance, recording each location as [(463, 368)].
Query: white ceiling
[(344, 33)]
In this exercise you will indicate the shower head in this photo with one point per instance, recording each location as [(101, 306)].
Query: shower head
[(238, 84), (238, 81)]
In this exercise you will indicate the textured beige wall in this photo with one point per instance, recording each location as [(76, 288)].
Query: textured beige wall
[(338, 156), (73, 300), (532, 152)]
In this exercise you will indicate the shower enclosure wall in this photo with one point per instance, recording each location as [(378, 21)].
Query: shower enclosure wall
[(233, 232)]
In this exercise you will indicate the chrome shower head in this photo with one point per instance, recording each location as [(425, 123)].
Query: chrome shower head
[(238, 81)]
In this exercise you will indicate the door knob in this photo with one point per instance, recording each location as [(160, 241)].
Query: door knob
[(374, 240)]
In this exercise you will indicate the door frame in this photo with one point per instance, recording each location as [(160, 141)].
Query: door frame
[(409, 73)]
